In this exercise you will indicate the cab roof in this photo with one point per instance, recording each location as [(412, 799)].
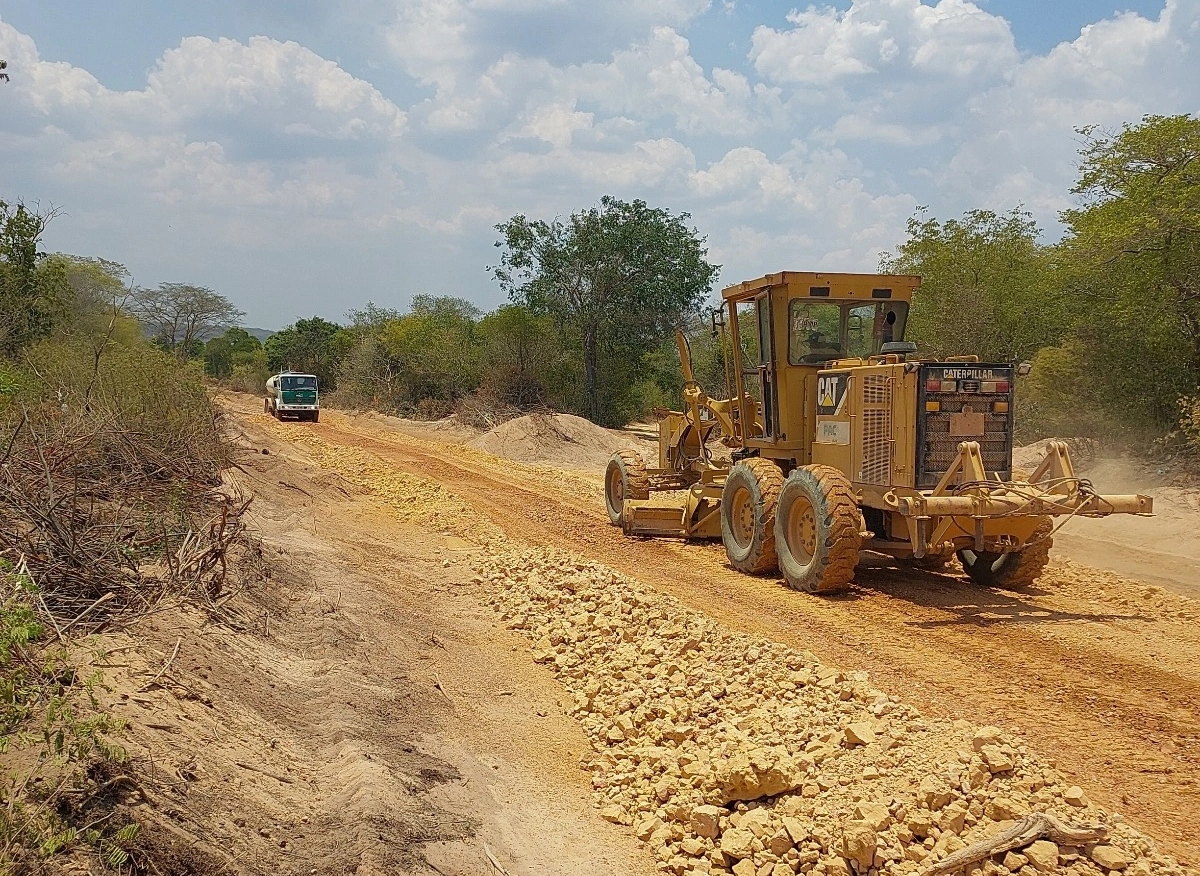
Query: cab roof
[(828, 286)]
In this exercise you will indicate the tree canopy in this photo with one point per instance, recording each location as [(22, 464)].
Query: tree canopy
[(314, 346), (617, 277), (179, 316), (986, 285)]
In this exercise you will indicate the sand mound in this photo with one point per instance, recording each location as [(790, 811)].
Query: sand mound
[(558, 440)]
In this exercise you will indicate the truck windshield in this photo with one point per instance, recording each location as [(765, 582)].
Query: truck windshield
[(298, 382), (821, 331)]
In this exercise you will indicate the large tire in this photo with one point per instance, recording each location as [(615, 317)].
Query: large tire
[(625, 478), (316, 416), (1019, 568), (748, 515), (817, 533)]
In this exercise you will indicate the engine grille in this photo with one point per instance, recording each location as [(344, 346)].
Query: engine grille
[(937, 448), (877, 430)]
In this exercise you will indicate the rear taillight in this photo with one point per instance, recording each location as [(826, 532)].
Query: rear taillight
[(994, 386), (941, 386)]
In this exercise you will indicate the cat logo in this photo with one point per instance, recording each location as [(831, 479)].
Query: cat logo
[(831, 393)]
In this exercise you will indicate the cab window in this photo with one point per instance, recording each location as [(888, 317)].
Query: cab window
[(814, 331), (821, 331)]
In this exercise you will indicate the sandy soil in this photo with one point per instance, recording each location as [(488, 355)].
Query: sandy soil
[(373, 718), (1098, 670)]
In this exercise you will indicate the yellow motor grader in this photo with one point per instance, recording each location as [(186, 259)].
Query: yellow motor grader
[(841, 438)]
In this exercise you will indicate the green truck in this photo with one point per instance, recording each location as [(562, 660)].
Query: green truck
[(292, 395)]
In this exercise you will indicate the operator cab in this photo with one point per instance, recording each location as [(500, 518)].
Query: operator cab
[(787, 327)]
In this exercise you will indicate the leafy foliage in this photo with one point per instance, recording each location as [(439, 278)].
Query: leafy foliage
[(616, 278), (312, 346), (49, 717), (1133, 255), (179, 316), (32, 288), (987, 285)]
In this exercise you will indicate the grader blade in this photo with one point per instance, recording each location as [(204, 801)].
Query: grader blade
[(655, 521)]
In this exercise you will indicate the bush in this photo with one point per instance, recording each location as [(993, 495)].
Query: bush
[(110, 465), (50, 719)]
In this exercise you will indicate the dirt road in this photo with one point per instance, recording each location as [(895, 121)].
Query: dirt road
[(1098, 672)]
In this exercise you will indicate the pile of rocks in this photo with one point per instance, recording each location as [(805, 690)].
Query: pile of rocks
[(727, 753)]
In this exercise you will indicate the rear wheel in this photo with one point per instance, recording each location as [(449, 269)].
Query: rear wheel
[(625, 478), (817, 534), (1018, 568), (748, 504)]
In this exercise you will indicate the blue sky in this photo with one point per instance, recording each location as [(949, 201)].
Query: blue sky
[(305, 157)]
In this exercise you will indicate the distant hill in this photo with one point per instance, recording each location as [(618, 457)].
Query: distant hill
[(261, 333)]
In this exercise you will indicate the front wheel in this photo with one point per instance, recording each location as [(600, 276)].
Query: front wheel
[(316, 416), (1018, 568), (817, 534), (625, 478)]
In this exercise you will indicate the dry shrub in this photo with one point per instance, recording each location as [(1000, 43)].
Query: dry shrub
[(485, 411), (432, 409), (109, 483)]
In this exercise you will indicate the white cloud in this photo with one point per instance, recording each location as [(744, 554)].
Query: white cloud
[(274, 173), (955, 38)]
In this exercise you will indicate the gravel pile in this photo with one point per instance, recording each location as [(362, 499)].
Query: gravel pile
[(728, 753)]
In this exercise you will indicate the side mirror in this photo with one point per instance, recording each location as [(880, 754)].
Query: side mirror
[(1023, 369)]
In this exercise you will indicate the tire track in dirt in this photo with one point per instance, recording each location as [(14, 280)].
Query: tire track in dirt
[(1117, 719)]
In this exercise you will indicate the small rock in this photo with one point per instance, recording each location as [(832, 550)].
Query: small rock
[(1043, 856), (796, 829), (859, 842), (836, 867), (874, 814), (1109, 857), (996, 759), (987, 736), (737, 843), (706, 821), (1003, 809), (613, 813), (860, 733), (1014, 862), (692, 846), (757, 821), (744, 868), (1074, 796)]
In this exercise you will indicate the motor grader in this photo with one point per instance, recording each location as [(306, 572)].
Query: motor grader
[(841, 438)]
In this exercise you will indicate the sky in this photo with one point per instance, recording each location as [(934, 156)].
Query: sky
[(303, 158)]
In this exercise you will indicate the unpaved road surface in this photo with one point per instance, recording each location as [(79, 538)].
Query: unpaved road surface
[(1100, 672)]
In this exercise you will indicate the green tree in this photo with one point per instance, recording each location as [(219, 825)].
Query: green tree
[(32, 288), (617, 278), (237, 347), (987, 285), (521, 355), (179, 316), (433, 347), (1133, 250), (314, 346)]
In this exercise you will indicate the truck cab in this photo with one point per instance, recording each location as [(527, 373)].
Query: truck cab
[(292, 394)]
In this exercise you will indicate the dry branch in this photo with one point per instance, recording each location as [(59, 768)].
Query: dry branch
[(1034, 826)]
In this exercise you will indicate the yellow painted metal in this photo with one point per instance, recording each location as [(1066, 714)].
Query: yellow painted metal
[(871, 436)]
